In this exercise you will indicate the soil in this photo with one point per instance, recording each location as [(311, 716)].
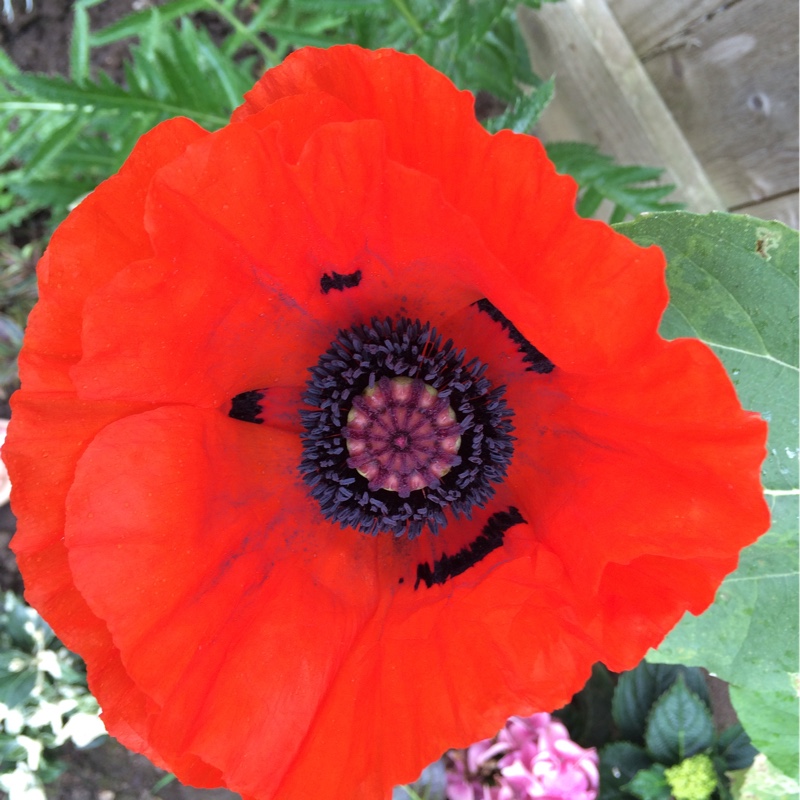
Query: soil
[(111, 772), (38, 40)]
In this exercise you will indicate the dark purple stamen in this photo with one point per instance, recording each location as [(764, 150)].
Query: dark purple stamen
[(357, 361)]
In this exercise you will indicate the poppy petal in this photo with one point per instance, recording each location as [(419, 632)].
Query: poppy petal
[(249, 578), (201, 626), (240, 291), (607, 447), (103, 235), (49, 432), (414, 666), (578, 273)]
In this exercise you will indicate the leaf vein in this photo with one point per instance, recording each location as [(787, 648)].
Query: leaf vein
[(765, 356)]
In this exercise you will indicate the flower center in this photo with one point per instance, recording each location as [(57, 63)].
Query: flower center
[(402, 436), (402, 432)]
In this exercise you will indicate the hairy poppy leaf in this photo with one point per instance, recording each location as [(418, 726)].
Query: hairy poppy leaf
[(772, 720), (733, 282), (600, 177), (524, 113), (135, 24)]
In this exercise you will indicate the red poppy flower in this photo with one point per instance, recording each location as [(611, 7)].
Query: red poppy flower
[(342, 437)]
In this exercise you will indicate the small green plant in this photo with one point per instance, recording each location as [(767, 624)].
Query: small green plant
[(44, 701), (669, 748), (630, 190)]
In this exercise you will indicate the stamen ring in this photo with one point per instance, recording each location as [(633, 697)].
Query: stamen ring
[(377, 473)]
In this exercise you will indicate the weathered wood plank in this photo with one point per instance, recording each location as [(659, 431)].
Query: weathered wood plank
[(734, 91), (650, 25), (605, 97), (784, 209)]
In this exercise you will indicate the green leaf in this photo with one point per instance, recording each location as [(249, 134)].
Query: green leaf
[(15, 687), (10, 749), (163, 781), (619, 763), (679, 725), (525, 112), (136, 24), (749, 638), (734, 283), (634, 696), (56, 142), (600, 178), (588, 715), (79, 46), (723, 778), (735, 748), (772, 720), (649, 784), (638, 689), (106, 96)]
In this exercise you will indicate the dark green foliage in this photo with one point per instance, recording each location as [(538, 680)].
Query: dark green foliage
[(662, 714), (638, 689), (61, 136), (619, 764), (649, 784), (735, 748), (65, 136), (588, 716), (17, 296), (15, 686), (44, 689), (678, 725), (525, 111)]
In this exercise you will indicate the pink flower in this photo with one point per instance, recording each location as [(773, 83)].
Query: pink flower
[(5, 481), (532, 757)]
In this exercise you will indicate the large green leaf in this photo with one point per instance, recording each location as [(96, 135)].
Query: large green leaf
[(733, 283)]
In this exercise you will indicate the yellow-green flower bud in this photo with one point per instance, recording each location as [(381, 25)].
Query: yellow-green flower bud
[(693, 779)]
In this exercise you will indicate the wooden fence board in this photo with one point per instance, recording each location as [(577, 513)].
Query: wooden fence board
[(784, 209), (651, 25), (605, 97), (733, 89)]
